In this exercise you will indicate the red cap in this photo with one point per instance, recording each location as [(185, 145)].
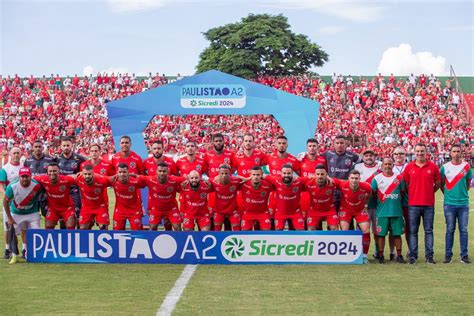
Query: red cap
[(25, 171)]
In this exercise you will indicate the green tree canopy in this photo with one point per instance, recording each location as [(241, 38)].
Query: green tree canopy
[(261, 44)]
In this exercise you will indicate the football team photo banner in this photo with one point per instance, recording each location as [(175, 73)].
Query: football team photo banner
[(262, 247)]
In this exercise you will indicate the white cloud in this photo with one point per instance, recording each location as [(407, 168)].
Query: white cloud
[(402, 60), (329, 30), (354, 10), (88, 70), (122, 6)]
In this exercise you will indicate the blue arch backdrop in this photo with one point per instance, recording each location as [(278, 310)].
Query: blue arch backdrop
[(213, 92)]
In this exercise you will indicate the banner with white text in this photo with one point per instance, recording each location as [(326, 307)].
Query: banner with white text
[(285, 247)]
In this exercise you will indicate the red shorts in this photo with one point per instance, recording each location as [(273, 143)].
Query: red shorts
[(54, 215), (189, 220), (134, 218), (250, 218), (173, 215), (272, 205), (211, 202), (314, 218), (233, 217), (297, 219), (305, 203), (100, 216), (359, 217)]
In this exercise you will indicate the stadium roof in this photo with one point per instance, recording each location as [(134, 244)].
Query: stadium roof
[(213, 93)]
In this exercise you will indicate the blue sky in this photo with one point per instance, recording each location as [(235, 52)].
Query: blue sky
[(361, 37)]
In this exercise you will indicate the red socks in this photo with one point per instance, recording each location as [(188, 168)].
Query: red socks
[(366, 243)]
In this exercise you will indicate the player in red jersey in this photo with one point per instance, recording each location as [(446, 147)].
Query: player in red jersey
[(275, 162), (215, 157), (95, 208), (310, 160), (322, 207), (355, 195), (255, 195), (195, 196), (226, 199), (151, 163), (99, 165), (287, 198), (249, 157), (60, 204), (128, 205), (128, 157), (162, 203)]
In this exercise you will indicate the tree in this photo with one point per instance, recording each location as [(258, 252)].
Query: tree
[(261, 44)]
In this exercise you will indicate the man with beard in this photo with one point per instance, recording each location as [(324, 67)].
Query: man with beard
[(287, 198), (151, 163), (128, 205), (162, 204), (214, 158), (388, 189), (255, 195), (69, 163), (95, 207), (321, 192), (368, 169), (275, 163), (226, 199), (195, 209), (354, 197), (58, 193)]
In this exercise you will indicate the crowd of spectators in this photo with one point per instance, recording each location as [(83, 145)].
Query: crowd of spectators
[(378, 113)]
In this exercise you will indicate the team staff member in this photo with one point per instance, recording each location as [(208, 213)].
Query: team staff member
[(195, 209), (226, 188), (9, 174), (58, 194), (321, 192), (95, 205), (388, 190), (456, 178), (354, 197), (162, 203), (21, 206), (287, 198), (255, 195), (423, 180)]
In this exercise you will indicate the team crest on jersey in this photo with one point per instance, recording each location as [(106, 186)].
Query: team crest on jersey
[(169, 189), (102, 171), (331, 160), (131, 188), (198, 167), (232, 188), (202, 195), (186, 220), (133, 164), (151, 218), (96, 190), (379, 229), (342, 214), (295, 189), (362, 196), (62, 188), (45, 165), (257, 161), (328, 192), (74, 165), (262, 194), (226, 160), (348, 162)]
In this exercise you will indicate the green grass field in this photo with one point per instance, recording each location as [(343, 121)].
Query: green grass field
[(251, 290)]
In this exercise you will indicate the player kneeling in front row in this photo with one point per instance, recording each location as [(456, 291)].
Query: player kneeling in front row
[(95, 206), (388, 188), (321, 199), (21, 206), (195, 199), (354, 197)]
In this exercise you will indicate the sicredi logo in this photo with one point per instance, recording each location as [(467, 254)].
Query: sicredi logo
[(213, 96), (290, 248)]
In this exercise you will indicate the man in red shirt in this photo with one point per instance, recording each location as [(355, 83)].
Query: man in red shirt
[(287, 198), (226, 199), (128, 205), (162, 203), (95, 207), (255, 195), (60, 204), (423, 179), (309, 162), (195, 197), (151, 163), (99, 165), (354, 197), (322, 207), (128, 157), (249, 157)]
